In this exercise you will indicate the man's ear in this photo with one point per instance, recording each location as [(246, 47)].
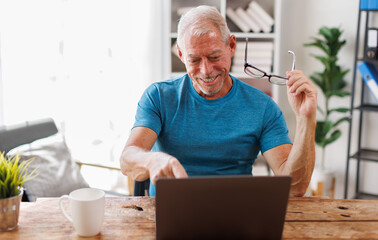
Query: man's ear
[(180, 53), (232, 44)]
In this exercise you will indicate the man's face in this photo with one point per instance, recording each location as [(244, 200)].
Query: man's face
[(208, 60)]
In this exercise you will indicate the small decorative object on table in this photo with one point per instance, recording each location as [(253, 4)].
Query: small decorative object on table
[(13, 174)]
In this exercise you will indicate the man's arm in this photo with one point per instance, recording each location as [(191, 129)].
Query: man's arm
[(298, 160), (138, 162)]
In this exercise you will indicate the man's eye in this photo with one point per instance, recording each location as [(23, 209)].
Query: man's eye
[(214, 58), (193, 60)]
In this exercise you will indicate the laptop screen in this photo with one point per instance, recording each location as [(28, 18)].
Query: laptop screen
[(232, 207)]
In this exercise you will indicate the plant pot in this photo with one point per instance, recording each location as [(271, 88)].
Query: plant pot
[(9, 211), (323, 183)]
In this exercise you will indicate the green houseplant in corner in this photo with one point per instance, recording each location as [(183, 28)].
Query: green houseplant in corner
[(13, 174), (332, 84)]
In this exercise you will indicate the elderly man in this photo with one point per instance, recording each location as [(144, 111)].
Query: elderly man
[(207, 122)]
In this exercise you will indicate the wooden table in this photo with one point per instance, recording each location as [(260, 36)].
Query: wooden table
[(134, 218)]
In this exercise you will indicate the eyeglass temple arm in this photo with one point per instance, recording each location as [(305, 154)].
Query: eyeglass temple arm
[(246, 50), (294, 60)]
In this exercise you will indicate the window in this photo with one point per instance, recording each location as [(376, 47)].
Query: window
[(81, 62)]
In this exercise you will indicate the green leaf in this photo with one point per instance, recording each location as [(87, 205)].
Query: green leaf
[(340, 110), (322, 129), (319, 44), (13, 174), (326, 32), (343, 119), (326, 62), (334, 136), (317, 82)]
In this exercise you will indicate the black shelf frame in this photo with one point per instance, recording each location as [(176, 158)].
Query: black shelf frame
[(367, 107), (364, 195), (366, 155), (362, 154)]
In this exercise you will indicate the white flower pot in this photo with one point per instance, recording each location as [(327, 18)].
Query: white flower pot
[(323, 183)]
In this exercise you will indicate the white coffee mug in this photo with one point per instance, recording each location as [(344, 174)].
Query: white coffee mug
[(87, 207)]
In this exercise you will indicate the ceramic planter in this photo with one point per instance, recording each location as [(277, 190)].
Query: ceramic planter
[(9, 211), (323, 183)]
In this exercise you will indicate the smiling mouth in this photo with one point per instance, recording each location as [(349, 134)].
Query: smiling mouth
[(209, 80)]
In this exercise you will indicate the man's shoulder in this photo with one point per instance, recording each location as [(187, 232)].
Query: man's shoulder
[(175, 84), (171, 83)]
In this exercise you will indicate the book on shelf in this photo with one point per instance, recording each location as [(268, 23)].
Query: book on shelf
[(364, 4), (369, 75), (368, 4), (371, 43), (254, 18), (257, 62), (264, 26), (237, 20), (255, 45), (373, 4), (261, 13), (247, 19), (237, 68), (254, 54), (260, 59)]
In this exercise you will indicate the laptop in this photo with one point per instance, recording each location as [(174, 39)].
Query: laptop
[(232, 207)]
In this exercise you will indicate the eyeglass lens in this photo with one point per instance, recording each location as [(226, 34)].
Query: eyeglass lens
[(277, 80), (253, 72)]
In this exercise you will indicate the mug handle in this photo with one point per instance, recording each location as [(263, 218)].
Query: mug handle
[(62, 208)]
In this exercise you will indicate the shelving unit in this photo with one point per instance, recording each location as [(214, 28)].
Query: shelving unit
[(365, 107), (174, 67)]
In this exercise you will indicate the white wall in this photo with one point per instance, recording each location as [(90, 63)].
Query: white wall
[(301, 20), (1, 91)]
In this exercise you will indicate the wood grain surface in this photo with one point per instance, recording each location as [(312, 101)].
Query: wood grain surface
[(134, 218)]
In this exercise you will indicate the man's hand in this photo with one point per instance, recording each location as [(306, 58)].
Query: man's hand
[(137, 160), (302, 94), (165, 165)]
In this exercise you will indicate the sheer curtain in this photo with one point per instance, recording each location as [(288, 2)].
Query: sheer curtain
[(85, 63)]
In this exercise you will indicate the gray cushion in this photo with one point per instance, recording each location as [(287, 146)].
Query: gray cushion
[(57, 173)]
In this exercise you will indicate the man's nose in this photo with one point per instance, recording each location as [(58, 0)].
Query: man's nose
[(206, 67)]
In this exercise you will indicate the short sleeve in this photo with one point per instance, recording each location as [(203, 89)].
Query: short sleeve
[(148, 112), (274, 132)]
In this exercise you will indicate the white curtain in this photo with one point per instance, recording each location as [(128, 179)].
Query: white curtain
[(84, 63)]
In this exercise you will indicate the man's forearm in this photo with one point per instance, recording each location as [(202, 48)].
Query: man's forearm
[(301, 160)]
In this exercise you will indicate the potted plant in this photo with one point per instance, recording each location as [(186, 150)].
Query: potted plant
[(13, 174), (332, 84)]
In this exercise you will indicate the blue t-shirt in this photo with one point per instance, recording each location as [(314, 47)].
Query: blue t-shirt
[(211, 137)]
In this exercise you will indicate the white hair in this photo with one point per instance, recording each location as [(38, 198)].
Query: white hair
[(201, 20)]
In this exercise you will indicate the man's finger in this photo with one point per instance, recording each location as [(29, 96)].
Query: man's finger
[(177, 169)]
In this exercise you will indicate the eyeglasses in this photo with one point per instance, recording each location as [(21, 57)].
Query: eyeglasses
[(257, 73)]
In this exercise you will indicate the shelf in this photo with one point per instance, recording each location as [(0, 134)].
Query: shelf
[(244, 35), (372, 61), (369, 10), (366, 196), (368, 107), (366, 154)]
